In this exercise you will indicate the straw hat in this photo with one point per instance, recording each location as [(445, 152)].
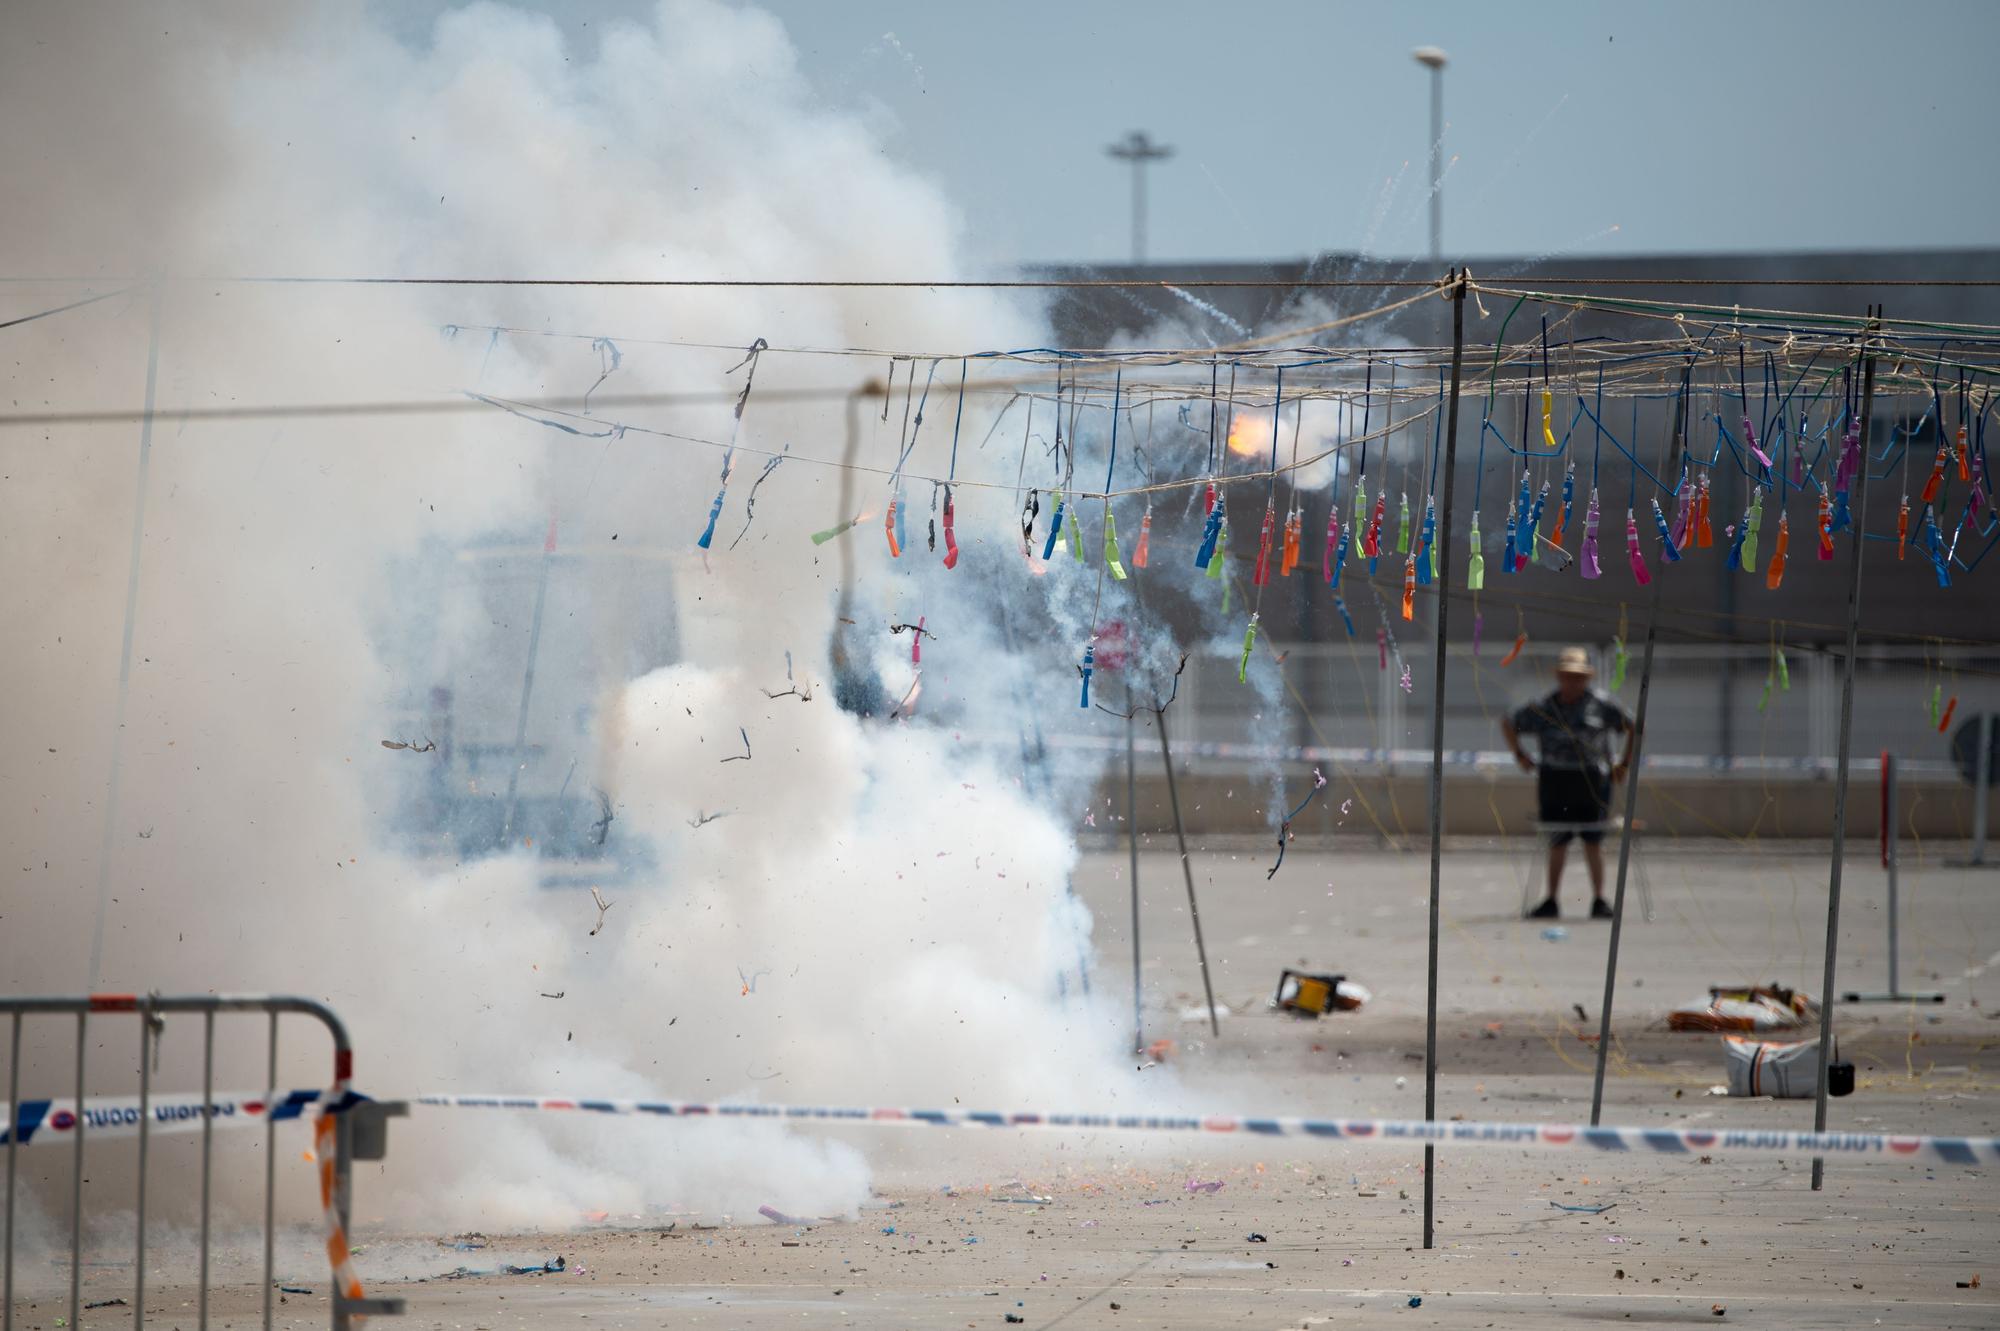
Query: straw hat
[(1574, 661)]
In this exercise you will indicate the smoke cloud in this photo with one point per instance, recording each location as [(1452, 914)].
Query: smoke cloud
[(864, 907)]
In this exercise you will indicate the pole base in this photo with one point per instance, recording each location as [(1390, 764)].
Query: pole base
[(1892, 998)]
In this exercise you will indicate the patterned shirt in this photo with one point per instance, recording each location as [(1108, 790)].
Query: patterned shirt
[(1573, 736)]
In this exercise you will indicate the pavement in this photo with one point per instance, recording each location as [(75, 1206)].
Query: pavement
[(955, 1236)]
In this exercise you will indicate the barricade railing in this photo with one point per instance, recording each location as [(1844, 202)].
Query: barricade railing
[(349, 1128)]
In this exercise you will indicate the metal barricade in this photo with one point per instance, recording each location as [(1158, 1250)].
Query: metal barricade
[(359, 1133)]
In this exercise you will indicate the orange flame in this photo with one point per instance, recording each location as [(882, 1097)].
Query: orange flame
[(1249, 435)]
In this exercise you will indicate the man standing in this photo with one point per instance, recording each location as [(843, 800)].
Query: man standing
[(1575, 773)]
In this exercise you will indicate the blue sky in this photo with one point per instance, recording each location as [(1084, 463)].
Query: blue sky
[(1299, 127)]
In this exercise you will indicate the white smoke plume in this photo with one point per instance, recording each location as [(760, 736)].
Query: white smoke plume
[(881, 910)]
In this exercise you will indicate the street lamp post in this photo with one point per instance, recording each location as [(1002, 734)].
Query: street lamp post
[(1139, 151), (1433, 58)]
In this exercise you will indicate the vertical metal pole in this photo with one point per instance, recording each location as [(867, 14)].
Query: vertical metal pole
[(1982, 790), (145, 1121), (270, 1167), (343, 1180), (1626, 832), (207, 1157), (1444, 532), (1132, 842), (1624, 856), (13, 1148), (1138, 211), (1187, 871), (1846, 739), (528, 684), (125, 655), (76, 1185), (1388, 716), (1437, 165), (1891, 816)]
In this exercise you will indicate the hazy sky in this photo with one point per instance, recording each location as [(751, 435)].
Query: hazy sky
[(1302, 127)]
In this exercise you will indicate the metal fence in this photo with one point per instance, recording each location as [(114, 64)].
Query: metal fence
[(358, 1132), (1709, 705)]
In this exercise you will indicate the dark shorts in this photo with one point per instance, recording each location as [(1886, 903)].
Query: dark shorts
[(1572, 796)]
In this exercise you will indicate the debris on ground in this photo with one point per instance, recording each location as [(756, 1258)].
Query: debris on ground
[(1013, 1317), (1588, 1210), (1416, 1301), (777, 1217), (293, 1289), (1214, 1185), (1308, 995), (1963, 1284), (1781, 1071), (1256, 1238), (1717, 1309), (106, 1303), (550, 1267), (1555, 933), (1764, 1007)]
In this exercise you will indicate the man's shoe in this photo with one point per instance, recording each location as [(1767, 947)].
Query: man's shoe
[(1600, 909), (1546, 911)]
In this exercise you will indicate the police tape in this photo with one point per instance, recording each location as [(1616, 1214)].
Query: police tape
[(1360, 1131), (45, 1121), (1356, 1131)]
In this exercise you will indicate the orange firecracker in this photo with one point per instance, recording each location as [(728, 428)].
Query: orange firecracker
[(1776, 574)]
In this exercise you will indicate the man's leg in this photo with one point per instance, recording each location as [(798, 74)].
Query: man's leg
[(1558, 855), (1593, 857)]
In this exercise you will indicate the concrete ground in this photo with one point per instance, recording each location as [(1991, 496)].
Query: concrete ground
[(1121, 1241)]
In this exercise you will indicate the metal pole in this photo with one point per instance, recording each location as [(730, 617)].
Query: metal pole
[(1187, 871), (1846, 739), (1141, 152), (1624, 856), (1982, 789), (207, 1158), (1437, 163), (528, 683), (13, 1148), (125, 652), (1626, 833), (1138, 210), (76, 1183), (1444, 530), (145, 1121), (1132, 841), (1891, 815), (270, 1169)]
